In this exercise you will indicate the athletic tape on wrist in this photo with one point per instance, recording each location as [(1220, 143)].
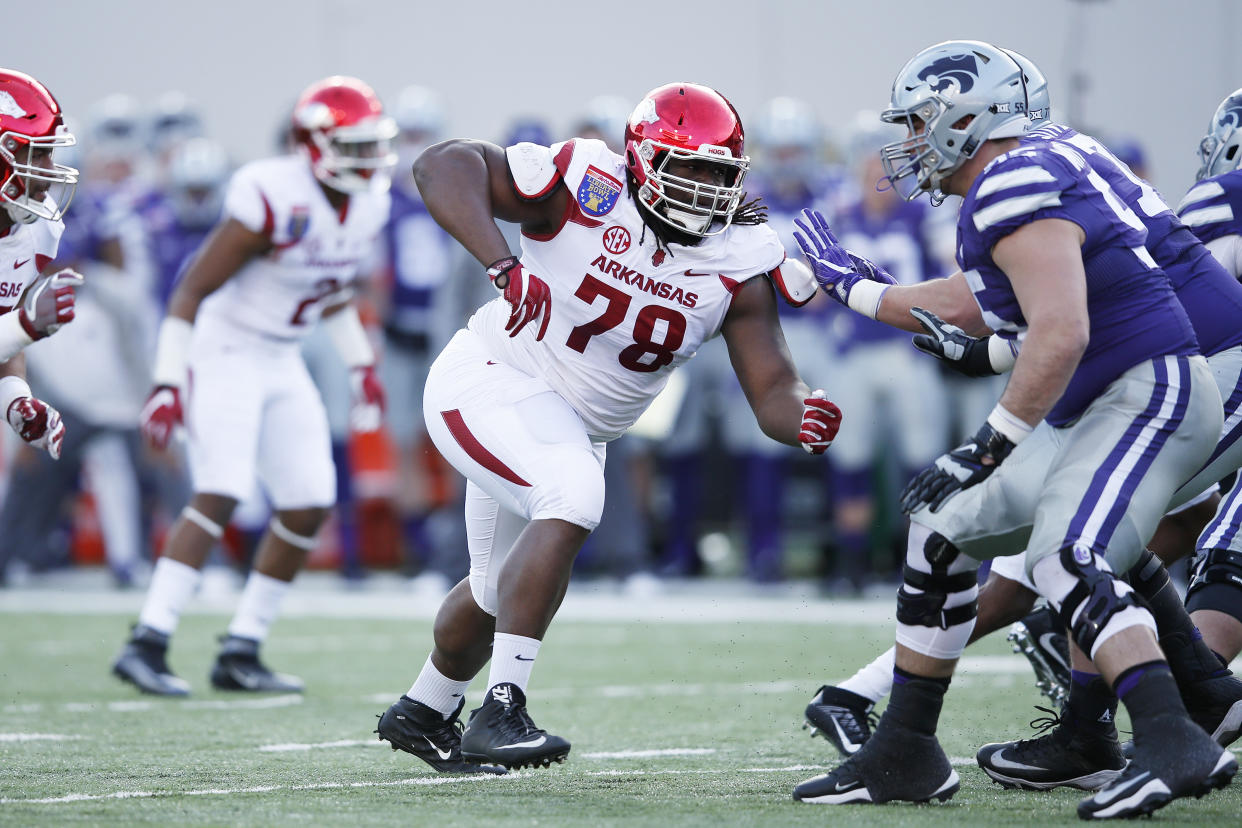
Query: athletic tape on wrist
[(203, 522), (289, 536), (172, 351), (12, 388), (865, 297), (1007, 424), (350, 338)]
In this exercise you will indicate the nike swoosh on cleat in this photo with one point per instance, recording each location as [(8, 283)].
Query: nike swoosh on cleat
[(443, 754), (519, 658), (533, 743), (1048, 643), (998, 760), (849, 746)]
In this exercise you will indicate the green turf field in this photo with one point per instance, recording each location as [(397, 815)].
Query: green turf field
[(671, 724)]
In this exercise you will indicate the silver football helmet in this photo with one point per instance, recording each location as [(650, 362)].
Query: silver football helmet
[(1038, 103), (951, 97), (1220, 151)]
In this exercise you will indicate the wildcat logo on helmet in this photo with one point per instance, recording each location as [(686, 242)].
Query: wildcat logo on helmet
[(1232, 112), (598, 192), (961, 70)]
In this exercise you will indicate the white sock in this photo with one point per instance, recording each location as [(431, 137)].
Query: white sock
[(513, 657), (875, 680), (437, 691), (172, 586), (259, 606)]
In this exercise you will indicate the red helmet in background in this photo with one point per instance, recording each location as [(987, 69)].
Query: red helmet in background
[(686, 121), (31, 127), (342, 126)]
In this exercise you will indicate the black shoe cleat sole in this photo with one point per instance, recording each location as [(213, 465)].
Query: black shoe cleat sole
[(518, 763)]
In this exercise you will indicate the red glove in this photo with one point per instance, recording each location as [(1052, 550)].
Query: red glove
[(49, 304), (37, 423), (526, 292), (369, 399), (821, 420), (161, 416)]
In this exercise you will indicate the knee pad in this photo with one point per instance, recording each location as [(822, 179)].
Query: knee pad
[(926, 607), (936, 604), (1216, 582), (1095, 600), (1148, 576)]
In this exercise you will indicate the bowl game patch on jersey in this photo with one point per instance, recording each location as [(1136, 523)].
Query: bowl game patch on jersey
[(598, 192)]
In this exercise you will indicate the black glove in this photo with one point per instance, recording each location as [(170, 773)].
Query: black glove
[(953, 346), (965, 466)]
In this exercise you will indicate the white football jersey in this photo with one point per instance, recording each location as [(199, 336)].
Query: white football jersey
[(316, 251), (625, 312), (24, 251)]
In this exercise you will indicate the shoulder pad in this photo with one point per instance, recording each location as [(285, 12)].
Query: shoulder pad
[(533, 168)]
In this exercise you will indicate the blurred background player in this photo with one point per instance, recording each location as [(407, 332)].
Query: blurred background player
[(420, 309), (896, 396), (788, 139), (35, 300), (295, 232)]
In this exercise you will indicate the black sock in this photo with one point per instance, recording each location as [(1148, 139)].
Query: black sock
[(1148, 690), (1091, 706), (916, 701)]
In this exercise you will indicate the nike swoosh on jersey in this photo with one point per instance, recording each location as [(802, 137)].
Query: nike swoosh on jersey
[(692, 273), (533, 743), (16, 265)]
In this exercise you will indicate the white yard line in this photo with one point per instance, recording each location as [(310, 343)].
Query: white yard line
[(143, 705), (426, 781), (292, 747), (36, 737), (648, 754)]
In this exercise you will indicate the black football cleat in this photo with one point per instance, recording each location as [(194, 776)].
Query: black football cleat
[(418, 729), (1215, 704), (843, 717), (143, 663), (501, 732), (1041, 638), (1173, 758), (1061, 756), (238, 667), (895, 765)]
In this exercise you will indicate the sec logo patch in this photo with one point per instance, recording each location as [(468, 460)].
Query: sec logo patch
[(616, 239)]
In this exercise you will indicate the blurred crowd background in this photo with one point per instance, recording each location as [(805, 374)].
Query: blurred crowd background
[(163, 117)]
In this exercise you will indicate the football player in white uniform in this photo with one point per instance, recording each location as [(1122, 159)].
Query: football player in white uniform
[(628, 264), (294, 232), (32, 305)]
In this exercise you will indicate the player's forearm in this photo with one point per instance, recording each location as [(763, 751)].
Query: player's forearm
[(779, 412), (1049, 357), (454, 183), (948, 298)]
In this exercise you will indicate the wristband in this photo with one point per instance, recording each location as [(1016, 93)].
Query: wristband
[(350, 338), (498, 271), (1002, 354), (13, 335), (865, 297), (172, 351), (12, 388), (1008, 425)]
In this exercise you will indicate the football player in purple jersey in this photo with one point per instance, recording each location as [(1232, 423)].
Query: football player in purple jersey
[(1053, 260)]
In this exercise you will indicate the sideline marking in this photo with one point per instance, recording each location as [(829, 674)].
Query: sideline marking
[(36, 737)]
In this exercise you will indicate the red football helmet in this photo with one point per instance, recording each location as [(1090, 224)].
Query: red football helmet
[(31, 127), (685, 121), (342, 126)]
